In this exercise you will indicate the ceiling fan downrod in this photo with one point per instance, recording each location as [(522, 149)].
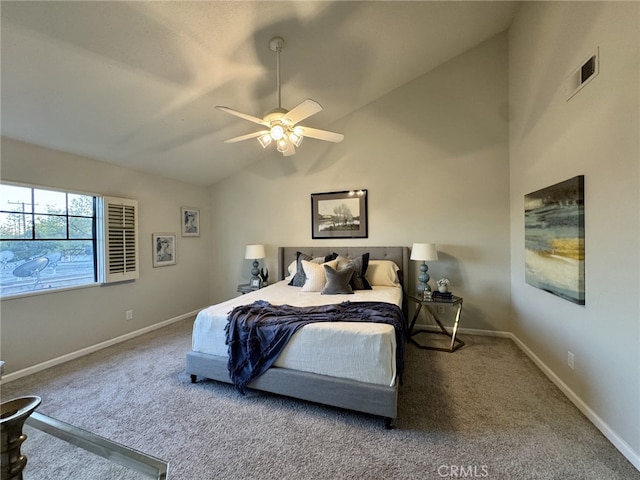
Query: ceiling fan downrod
[(276, 45)]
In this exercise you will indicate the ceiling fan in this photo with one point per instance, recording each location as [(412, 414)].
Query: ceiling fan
[(281, 125)]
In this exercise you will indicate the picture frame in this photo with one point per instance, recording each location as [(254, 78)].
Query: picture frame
[(554, 237), (256, 283), (339, 214), (190, 221), (164, 248)]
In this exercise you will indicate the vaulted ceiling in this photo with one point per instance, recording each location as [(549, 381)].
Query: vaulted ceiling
[(136, 83)]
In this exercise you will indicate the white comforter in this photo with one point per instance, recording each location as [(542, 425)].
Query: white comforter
[(355, 350)]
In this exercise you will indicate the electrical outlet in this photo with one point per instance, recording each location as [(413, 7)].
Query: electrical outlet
[(129, 314), (570, 359)]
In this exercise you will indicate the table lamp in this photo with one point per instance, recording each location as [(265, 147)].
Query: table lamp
[(424, 252), (255, 252)]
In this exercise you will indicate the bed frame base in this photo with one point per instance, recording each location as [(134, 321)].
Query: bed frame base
[(363, 397)]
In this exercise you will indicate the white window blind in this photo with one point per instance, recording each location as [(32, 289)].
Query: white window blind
[(121, 239)]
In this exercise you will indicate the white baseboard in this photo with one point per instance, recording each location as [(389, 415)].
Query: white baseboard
[(486, 333), (619, 443), (464, 331), (93, 348)]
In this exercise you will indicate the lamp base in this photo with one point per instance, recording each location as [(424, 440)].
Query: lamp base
[(255, 280), (423, 280)]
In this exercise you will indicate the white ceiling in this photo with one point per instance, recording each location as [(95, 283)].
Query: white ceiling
[(136, 83)]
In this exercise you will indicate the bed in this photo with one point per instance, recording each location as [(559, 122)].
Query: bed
[(362, 377)]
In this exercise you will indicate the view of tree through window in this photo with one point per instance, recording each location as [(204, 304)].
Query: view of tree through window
[(47, 239)]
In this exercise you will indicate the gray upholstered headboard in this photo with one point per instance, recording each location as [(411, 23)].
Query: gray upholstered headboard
[(400, 255)]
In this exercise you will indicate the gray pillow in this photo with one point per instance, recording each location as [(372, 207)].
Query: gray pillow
[(337, 281), (360, 264)]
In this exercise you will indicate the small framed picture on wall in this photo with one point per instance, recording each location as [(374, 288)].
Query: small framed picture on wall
[(164, 249), (190, 219)]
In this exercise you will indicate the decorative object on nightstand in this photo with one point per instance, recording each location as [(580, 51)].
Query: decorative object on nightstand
[(255, 252), (443, 296), (443, 285), (425, 252), (264, 275)]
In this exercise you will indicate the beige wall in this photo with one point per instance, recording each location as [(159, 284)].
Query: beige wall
[(594, 134), (433, 155), (40, 328)]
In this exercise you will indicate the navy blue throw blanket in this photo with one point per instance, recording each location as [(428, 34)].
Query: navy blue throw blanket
[(257, 333)]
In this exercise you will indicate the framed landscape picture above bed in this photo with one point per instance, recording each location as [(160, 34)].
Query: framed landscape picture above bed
[(339, 214)]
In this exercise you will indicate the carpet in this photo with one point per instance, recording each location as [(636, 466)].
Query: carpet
[(484, 411)]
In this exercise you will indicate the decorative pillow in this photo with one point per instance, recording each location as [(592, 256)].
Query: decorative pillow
[(342, 261), (292, 269), (315, 277), (383, 273), (360, 264), (337, 280), (299, 277)]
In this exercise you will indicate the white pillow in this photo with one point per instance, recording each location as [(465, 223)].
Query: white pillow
[(292, 269), (315, 275), (383, 273)]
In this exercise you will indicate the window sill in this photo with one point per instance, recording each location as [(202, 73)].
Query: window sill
[(48, 291)]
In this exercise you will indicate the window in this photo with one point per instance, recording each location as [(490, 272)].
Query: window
[(53, 239), (47, 239)]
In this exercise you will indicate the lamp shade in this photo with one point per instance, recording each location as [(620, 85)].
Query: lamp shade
[(424, 252), (254, 252)]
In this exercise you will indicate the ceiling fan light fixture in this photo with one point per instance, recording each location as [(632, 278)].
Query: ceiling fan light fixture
[(295, 139), (277, 131), (282, 145), (265, 140)]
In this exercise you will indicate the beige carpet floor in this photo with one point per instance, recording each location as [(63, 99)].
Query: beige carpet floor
[(484, 411)]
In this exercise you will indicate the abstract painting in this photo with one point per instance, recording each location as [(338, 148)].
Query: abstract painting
[(554, 239)]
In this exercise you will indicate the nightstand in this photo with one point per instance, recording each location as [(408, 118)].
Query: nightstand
[(456, 303), (246, 288)]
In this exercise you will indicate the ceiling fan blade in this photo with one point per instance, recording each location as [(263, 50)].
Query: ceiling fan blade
[(321, 134), (301, 111), (247, 136), (246, 116)]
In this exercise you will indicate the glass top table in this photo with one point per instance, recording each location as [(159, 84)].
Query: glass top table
[(55, 449)]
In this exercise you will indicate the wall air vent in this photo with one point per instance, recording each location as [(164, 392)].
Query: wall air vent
[(586, 72)]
